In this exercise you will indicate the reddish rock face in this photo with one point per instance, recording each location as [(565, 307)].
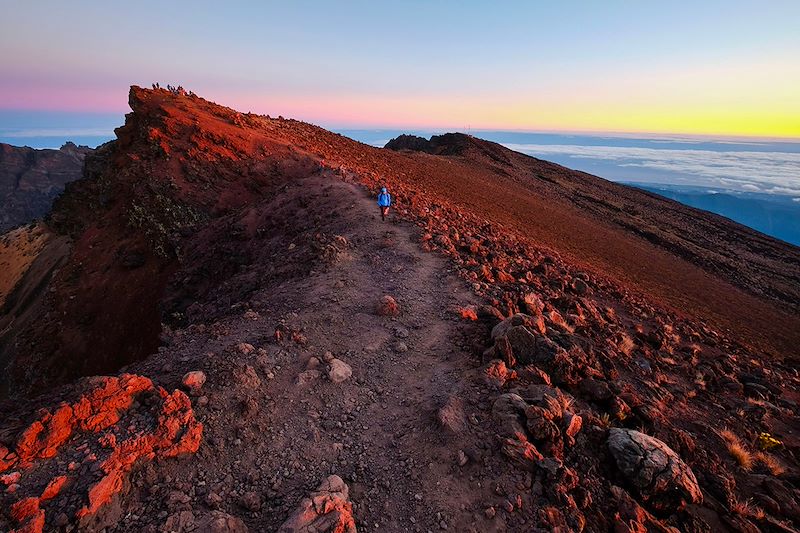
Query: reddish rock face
[(93, 422)]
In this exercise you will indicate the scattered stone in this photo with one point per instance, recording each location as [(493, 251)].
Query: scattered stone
[(462, 458), (249, 407), (245, 348), (538, 394), (400, 347), (580, 287), (327, 510), (194, 380), (213, 500), (660, 477), (251, 315), (468, 313), (388, 307), (177, 498), (251, 501), (219, 522), (339, 371), (328, 357), (247, 377), (401, 333), (502, 328), (451, 415), (490, 512), (180, 521), (95, 416), (308, 376)]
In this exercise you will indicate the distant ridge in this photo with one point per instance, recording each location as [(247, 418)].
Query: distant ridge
[(30, 180)]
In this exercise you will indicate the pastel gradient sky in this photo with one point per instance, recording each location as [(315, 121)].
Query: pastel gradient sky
[(703, 67)]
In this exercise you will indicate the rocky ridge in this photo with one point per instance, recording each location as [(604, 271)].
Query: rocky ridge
[(31, 179), (493, 384)]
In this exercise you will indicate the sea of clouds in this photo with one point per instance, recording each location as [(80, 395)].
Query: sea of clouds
[(749, 171)]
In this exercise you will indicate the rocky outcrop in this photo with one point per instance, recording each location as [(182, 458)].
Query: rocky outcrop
[(31, 179), (84, 450), (326, 510)]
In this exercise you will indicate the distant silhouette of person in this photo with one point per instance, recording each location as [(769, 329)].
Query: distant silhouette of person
[(384, 202)]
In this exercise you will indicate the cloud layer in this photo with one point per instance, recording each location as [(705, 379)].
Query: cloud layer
[(767, 172)]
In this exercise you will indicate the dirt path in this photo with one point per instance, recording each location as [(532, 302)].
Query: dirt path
[(269, 434)]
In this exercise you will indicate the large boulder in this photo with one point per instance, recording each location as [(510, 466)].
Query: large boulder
[(521, 335), (657, 474), (519, 319), (508, 414)]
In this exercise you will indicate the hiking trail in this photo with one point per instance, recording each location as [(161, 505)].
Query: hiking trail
[(275, 430)]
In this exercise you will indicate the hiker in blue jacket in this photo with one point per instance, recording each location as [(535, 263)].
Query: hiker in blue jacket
[(384, 202)]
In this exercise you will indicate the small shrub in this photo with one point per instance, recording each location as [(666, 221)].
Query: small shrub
[(767, 441), (747, 509)]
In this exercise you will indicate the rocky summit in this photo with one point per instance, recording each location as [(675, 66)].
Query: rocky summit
[(213, 330)]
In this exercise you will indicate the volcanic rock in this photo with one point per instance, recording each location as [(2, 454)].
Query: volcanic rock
[(327, 510), (451, 415), (508, 414), (656, 472), (496, 373), (194, 380), (219, 522), (339, 371), (95, 415), (388, 307)]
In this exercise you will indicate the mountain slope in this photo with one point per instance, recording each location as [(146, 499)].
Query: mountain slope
[(30, 180), (746, 258), (498, 356)]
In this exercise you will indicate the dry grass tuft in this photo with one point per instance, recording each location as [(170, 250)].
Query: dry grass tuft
[(771, 463), (626, 344), (559, 405), (737, 449), (747, 509)]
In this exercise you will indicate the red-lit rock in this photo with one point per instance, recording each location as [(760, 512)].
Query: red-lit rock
[(388, 307)]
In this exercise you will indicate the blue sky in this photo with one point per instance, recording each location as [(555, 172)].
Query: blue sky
[(682, 67)]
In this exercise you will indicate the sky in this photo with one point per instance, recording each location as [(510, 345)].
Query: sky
[(723, 68)]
